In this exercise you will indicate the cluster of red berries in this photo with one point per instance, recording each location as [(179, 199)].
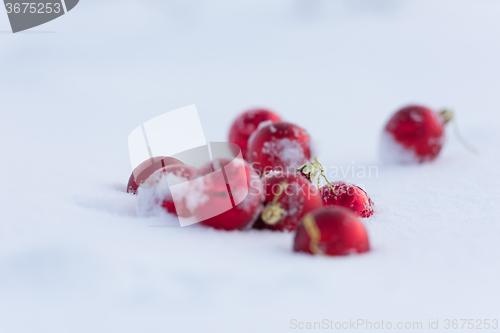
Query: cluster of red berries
[(283, 181)]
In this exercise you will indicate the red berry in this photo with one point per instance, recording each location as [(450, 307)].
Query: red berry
[(278, 146), (347, 195), (246, 123), (145, 169), (211, 194), (289, 197), (414, 134), (333, 231), (154, 195)]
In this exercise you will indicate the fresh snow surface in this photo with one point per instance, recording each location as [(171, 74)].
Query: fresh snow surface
[(393, 152), (75, 257)]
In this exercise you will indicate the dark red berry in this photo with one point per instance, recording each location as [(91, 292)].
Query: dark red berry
[(289, 197), (146, 169), (414, 134), (226, 200), (246, 123)]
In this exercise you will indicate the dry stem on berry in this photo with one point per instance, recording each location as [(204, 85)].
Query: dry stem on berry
[(274, 212), (314, 234), (311, 171), (447, 116)]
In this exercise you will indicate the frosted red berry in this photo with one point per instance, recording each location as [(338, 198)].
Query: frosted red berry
[(246, 123), (154, 196), (211, 194), (333, 231), (146, 169), (414, 134), (347, 195), (288, 197), (279, 146)]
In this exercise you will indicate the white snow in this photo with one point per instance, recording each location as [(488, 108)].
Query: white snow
[(290, 152), (74, 255), (155, 190), (416, 116), (196, 193), (391, 151)]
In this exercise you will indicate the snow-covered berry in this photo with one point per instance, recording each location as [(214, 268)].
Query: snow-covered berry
[(414, 134), (154, 197), (289, 197), (278, 146), (246, 123), (146, 169), (341, 193)]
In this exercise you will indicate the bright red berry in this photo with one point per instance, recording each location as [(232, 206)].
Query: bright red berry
[(146, 169), (278, 146), (332, 231), (289, 197), (246, 123), (414, 134), (154, 196), (223, 191), (347, 195)]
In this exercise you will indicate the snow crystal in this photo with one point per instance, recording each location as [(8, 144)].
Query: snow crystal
[(416, 116), (154, 191), (151, 194), (196, 193), (295, 204), (272, 173), (290, 152)]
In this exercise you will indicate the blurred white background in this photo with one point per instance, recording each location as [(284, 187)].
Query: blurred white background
[(75, 258)]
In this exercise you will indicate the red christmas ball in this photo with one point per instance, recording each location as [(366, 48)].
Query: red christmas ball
[(236, 192), (246, 123), (333, 231), (146, 169), (289, 196), (154, 196), (414, 134), (278, 146), (347, 195)]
